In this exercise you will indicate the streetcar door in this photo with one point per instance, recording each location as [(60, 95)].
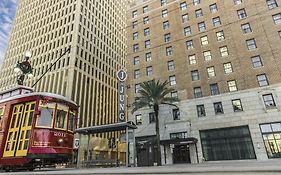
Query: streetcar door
[(19, 130)]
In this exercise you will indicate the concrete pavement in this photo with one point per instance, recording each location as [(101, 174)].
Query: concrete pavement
[(247, 167)]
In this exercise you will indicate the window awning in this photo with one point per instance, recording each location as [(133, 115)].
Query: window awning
[(107, 128), (189, 140)]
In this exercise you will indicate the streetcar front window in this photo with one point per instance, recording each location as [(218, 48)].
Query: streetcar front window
[(46, 117), (71, 121), (61, 116)]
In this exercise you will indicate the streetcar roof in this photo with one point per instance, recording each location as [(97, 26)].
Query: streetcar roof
[(46, 94)]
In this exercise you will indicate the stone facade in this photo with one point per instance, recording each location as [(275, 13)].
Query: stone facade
[(238, 51)]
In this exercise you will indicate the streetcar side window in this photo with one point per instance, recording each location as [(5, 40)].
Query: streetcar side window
[(46, 117), (2, 110), (61, 116), (71, 121)]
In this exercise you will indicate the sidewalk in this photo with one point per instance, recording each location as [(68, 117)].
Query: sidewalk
[(225, 167)]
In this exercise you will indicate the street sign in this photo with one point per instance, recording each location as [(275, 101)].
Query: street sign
[(76, 144)]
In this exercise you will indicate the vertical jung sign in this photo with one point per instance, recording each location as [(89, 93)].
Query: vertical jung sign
[(121, 75)]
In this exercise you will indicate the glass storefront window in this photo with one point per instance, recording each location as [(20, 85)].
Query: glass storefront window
[(272, 139), (227, 144), (46, 115), (61, 116)]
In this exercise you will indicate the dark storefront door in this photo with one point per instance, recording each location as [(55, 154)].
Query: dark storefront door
[(146, 151), (181, 154)]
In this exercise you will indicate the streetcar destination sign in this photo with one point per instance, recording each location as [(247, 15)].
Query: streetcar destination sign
[(121, 75)]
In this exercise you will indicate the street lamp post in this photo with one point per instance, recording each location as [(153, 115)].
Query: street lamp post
[(24, 67)]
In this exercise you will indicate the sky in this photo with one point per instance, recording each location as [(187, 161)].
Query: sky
[(7, 13)]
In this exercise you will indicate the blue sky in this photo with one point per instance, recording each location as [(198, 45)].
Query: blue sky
[(7, 13)]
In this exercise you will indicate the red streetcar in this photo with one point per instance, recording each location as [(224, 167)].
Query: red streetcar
[(35, 128)]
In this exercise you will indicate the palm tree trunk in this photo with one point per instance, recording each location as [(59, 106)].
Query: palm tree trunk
[(158, 153)]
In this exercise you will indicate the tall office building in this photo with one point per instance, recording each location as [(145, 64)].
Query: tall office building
[(94, 29), (222, 57)]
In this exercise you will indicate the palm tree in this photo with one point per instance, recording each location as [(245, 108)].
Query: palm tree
[(153, 94)]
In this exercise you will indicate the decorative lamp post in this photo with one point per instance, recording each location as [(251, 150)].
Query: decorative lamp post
[(24, 67)]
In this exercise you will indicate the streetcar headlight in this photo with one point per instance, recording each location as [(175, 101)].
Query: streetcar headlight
[(60, 140)]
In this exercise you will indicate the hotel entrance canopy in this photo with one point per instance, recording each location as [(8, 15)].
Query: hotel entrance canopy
[(107, 128), (189, 140)]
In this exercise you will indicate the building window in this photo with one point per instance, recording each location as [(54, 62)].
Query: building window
[(135, 35), (211, 72), (174, 94), (145, 9), (198, 13), (201, 111), (172, 80), (271, 133), (136, 47), (169, 51), (137, 88), (262, 80), (277, 18), (218, 108), (147, 44), (251, 44), (149, 71), (187, 31), (233, 143), (152, 118), (134, 13), (224, 51), (166, 25), (138, 119), (178, 135), (271, 4), (241, 14), (216, 21), (185, 18), (176, 114), (135, 24), (171, 65), (256, 61), (197, 92), (214, 89), (194, 75), (163, 2), (236, 2), (183, 6), (167, 37), (196, 2), (268, 101), (232, 86), (246, 28), (164, 13), (204, 40), (220, 36), (148, 56), (146, 32), (189, 44), (201, 27), (227, 68), (213, 8), (146, 20), (207, 55), (137, 74), (192, 59), (136, 60), (2, 111), (237, 105)]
